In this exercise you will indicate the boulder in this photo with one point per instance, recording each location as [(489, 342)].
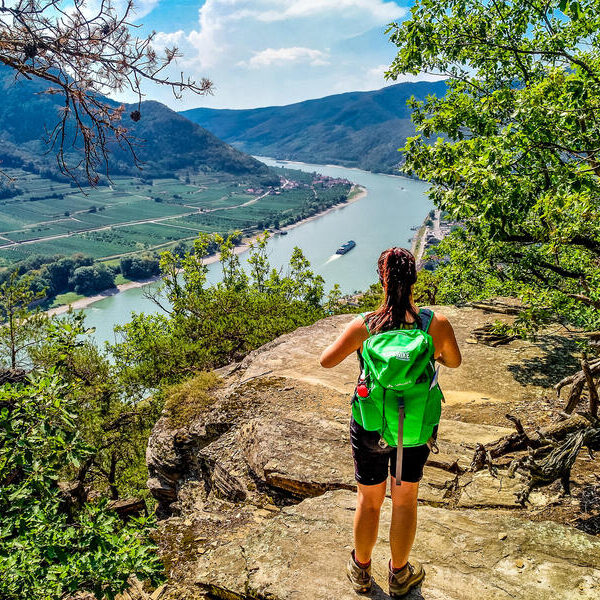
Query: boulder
[(297, 447)]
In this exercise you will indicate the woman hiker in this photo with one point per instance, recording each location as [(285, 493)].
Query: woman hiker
[(373, 457)]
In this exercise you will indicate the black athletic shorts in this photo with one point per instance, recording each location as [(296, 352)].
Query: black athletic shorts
[(372, 464)]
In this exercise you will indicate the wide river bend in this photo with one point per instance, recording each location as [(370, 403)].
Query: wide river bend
[(381, 219)]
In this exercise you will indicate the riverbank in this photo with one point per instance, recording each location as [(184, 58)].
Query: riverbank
[(357, 192), (417, 243)]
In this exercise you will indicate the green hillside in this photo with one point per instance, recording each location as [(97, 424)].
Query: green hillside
[(165, 140), (357, 129), (190, 182)]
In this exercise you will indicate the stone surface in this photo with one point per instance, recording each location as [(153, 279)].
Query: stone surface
[(303, 457), (276, 450), (509, 373), (482, 490), (302, 553)]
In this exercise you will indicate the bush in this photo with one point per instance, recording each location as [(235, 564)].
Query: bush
[(51, 547), (208, 326), (140, 267), (92, 279), (186, 401)]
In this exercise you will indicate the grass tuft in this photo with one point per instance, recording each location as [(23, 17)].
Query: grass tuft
[(185, 402)]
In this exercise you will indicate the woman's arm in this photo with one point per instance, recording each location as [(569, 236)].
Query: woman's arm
[(349, 341), (447, 351)]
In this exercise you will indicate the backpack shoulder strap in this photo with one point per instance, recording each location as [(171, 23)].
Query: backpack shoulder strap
[(361, 360), (426, 316), (364, 318)]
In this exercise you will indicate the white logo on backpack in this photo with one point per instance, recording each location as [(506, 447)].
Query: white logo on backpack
[(402, 355)]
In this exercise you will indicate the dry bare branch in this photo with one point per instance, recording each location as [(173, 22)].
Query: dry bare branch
[(85, 54)]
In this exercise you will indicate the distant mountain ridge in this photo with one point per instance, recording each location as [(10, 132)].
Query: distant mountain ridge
[(355, 129), (166, 140)]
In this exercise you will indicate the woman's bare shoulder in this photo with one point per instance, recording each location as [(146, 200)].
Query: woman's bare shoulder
[(438, 317), (440, 323), (359, 322)]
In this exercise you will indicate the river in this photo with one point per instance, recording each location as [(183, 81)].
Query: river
[(381, 219)]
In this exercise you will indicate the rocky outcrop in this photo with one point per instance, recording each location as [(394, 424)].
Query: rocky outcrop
[(257, 490)]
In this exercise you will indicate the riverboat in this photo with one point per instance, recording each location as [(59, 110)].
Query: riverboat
[(346, 247)]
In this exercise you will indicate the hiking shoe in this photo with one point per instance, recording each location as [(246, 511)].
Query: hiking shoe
[(359, 577), (403, 581)]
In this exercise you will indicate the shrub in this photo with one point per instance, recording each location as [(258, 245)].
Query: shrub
[(92, 279), (51, 546)]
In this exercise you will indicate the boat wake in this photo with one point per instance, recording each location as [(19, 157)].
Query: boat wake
[(332, 258)]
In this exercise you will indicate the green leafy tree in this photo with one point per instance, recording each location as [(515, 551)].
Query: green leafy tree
[(517, 160), (92, 279), (20, 327), (114, 418), (207, 326), (52, 546), (427, 289), (140, 267)]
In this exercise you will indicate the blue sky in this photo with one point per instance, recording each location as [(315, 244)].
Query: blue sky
[(268, 52)]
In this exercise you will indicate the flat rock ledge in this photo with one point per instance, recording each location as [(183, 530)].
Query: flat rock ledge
[(468, 555)]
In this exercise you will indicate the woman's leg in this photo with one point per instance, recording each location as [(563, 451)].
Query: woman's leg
[(404, 521), (366, 519)]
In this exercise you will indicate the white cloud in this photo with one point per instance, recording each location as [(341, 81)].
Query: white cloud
[(310, 8), (281, 56), (164, 40), (230, 27), (266, 52)]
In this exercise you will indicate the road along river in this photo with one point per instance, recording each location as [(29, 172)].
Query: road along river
[(381, 219)]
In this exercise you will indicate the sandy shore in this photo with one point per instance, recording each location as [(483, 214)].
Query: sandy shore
[(243, 247)]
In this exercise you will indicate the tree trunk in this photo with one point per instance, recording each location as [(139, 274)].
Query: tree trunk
[(591, 387), (114, 492)]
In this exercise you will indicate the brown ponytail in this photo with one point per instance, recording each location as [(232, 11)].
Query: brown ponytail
[(397, 273)]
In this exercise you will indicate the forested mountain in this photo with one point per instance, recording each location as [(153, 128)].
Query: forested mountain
[(166, 141), (357, 129)]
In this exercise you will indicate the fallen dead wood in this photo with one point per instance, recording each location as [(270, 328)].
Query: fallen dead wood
[(487, 335), (555, 464), (552, 451), (504, 309), (593, 392), (594, 367), (578, 382), (521, 440), (594, 337), (128, 507)]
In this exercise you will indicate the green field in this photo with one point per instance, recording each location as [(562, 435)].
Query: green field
[(134, 215), (67, 298)]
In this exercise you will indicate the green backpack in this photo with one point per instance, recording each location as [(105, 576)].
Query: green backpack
[(397, 393)]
